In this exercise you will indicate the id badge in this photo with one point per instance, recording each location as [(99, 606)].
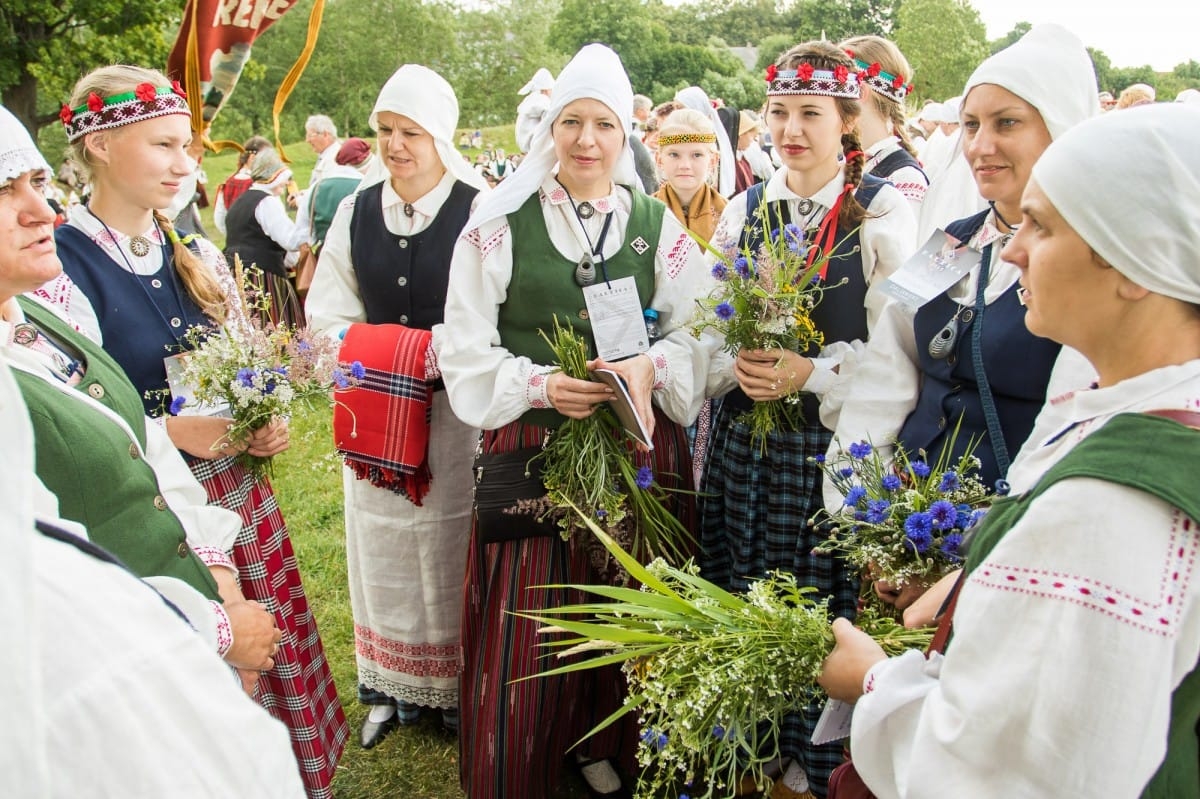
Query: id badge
[(938, 265), (618, 326)]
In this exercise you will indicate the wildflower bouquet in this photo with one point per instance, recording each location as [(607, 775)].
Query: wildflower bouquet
[(764, 300), (904, 521), (711, 674), (590, 463), (255, 372)]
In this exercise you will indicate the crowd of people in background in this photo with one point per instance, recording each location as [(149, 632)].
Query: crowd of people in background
[(438, 269)]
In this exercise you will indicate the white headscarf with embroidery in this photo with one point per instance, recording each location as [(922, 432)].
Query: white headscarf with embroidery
[(18, 153)]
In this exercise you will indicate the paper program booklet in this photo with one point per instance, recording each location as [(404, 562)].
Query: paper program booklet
[(623, 406)]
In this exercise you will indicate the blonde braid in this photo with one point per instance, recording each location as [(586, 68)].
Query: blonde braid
[(197, 278)]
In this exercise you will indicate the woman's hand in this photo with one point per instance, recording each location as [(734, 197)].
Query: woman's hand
[(899, 596), (575, 399), (638, 374), (923, 611), (852, 657), (270, 439), (771, 374), (203, 436)]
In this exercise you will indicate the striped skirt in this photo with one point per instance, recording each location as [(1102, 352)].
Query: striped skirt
[(513, 737), (754, 512), (299, 690)]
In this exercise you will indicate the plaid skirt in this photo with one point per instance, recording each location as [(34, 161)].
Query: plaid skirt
[(514, 736), (299, 690), (754, 512)]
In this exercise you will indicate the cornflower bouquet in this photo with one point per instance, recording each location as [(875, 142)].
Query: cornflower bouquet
[(257, 370), (591, 463), (711, 674), (902, 521), (764, 300)]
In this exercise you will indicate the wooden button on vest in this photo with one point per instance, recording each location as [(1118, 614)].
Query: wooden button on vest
[(160, 503), (182, 550), (133, 451), (96, 390)]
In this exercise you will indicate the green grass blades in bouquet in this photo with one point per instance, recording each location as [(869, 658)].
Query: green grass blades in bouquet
[(903, 521), (591, 463), (764, 299), (257, 371), (711, 674)]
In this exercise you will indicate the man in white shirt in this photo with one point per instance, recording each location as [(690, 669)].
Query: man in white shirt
[(321, 135)]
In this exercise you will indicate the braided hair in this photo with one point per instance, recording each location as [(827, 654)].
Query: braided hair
[(876, 49)]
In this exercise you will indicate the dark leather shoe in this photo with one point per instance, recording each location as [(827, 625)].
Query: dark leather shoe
[(375, 731)]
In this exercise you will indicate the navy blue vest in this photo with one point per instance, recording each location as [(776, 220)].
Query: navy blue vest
[(402, 279), (895, 162), (842, 314), (245, 237), (142, 318), (1017, 364)]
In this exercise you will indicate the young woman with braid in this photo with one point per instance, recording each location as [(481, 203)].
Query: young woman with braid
[(884, 75), (134, 286), (756, 503)]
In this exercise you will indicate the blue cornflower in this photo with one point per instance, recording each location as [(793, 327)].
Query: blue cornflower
[(977, 516), (357, 370), (177, 405), (919, 529), (724, 311), (741, 265), (855, 495), (656, 739), (645, 477), (860, 516), (819, 458), (846, 471), (950, 482), (890, 482), (269, 384), (794, 237), (950, 546), (877, 511), (963, 519), (303, 346), (860, 450), (245, 376), (719, 732), (720, 271), (339, 378), (944, 514), (920, 468)]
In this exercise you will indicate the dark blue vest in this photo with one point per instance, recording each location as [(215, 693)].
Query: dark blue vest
[(842, 314), (246, 238), (143, 318), (1017, 364), (402, 279), (895, 162)]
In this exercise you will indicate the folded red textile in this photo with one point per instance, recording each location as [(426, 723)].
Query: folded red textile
[(381, 425)]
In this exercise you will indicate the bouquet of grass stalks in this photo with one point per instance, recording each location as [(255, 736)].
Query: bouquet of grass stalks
[(711, 674), (903, 521), (764, 300), (591, 463), (257, 371)]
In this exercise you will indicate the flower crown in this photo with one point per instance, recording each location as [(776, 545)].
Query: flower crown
[(806, 79), (687, 138), (146, 101), (890, 86)]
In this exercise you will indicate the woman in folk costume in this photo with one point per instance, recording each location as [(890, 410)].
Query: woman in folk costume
[(885, 76), (132, 285), (1072, 670), (693, 97), (382, 287), (755, 502), (531, 109), (517, 268), (964, 359)]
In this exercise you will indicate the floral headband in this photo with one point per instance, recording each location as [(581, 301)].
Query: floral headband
[(806, 79), (687, 138), (146, 101), (890, 86)]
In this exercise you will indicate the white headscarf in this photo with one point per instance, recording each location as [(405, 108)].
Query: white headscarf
[(18, 153), (1050, 69), (426, 98), (1189, 96), (1129, 184), (694, 98), (541, 80), (595, 73)]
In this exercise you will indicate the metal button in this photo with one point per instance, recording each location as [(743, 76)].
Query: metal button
[(583, 314), (951, 359), (160, 503), (182, 550), (403, 319), (403, 244), (175, 321), (133, 451), (967, 316), (96, 390), (156, 283), (402, 281), (942, 423)]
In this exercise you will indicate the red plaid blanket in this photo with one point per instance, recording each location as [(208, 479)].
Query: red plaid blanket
[(381, 425)]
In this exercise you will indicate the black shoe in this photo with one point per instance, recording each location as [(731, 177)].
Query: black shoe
[(375, 731), (620, 792)]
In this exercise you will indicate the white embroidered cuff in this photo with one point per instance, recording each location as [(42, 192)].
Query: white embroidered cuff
[(662, 370), (432, 370), (215, 556), (537, 388), (224, 629)]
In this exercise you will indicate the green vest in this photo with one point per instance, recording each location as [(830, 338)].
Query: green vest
[(1151, 454), (327, 195), (543, 286), (97, 473)]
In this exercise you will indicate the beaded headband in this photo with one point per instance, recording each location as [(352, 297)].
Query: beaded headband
[(806, 79), (146, 101), (687, 138), (890, 86)]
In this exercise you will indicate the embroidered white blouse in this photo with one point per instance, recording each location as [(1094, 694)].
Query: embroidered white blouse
[(1069, 638), (909, 181), (488, 386)]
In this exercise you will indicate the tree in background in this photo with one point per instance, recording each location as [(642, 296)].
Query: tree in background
[(840, 19), (944, 40)]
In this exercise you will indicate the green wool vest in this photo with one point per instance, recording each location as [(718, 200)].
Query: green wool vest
[(97, 473), (542, 285), (1151, 454)]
